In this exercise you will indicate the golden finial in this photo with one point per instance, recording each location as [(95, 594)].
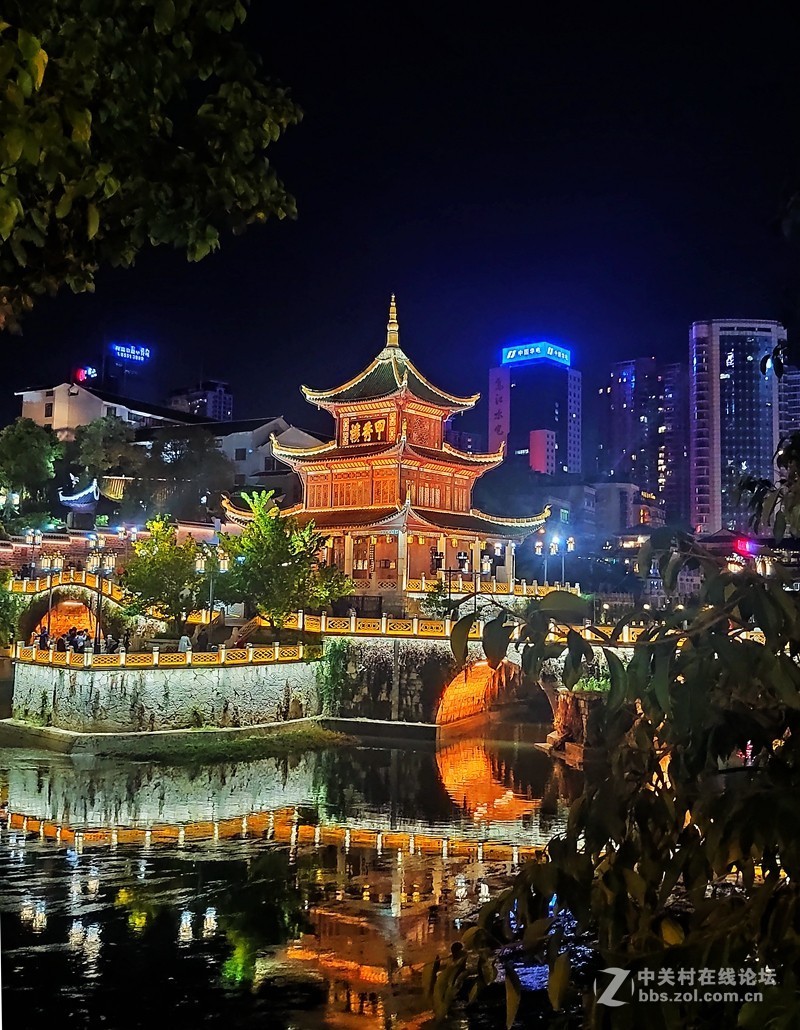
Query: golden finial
[(392, 328)]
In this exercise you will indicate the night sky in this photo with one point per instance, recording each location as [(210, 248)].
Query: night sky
[(598, 183)]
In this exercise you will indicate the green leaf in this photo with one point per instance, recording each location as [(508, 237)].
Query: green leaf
[(29, 45), (513, 997), (429, 972), (459, 637), (38, 66), (558, 981), (619, 681), (80, 118), (64, 206), (563, 606), (779, 526), (496, 635), (92, 221), (165, 16), (14, 142)]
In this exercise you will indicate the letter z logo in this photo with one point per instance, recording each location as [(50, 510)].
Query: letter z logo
[(608, 996)]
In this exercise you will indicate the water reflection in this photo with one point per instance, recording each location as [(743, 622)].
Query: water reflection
[(303, 893)]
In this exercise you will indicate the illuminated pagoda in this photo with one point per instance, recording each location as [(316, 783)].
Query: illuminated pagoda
[(393, 498)]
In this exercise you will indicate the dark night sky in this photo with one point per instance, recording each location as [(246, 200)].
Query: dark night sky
[(597, 182)]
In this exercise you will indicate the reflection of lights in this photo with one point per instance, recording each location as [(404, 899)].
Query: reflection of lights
[(27, 910), (124, 896), (91, 944), (365, 893), (460, 892), (483, 891), (76, 934), (185, 932), (379, 843), (415, 894), (444, 848), (209, 922), (346, 840), (411, 844), (93, 883), (317, 835), (137, 920), (75, 888), (142, 868), (181, 837), (39, 921), (515, 855), (480, 852)]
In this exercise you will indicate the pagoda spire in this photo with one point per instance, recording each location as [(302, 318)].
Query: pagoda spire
[(392, 328)]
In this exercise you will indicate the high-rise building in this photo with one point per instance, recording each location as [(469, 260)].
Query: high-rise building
[(643, 431), (789, 401), (211, 399), (733, 415), (535, 388)]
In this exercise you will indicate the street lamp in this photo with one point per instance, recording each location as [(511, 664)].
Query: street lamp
[(51, 564), (102, 565), (33, 538), (221, 562)]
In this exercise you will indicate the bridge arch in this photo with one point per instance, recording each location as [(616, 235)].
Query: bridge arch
[(476, 688), (71, 606)]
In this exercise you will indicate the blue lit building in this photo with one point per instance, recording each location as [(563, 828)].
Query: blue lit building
[(733, 416), (535, 388)]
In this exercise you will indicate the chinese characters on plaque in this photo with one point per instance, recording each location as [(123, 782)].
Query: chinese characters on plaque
[(499, 406), (378, 429)]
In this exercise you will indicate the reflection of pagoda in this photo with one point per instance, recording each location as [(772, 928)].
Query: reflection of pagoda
[(392, 496)]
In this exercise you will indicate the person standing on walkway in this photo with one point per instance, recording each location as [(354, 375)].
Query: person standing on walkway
[(184, 644), (202, 639)]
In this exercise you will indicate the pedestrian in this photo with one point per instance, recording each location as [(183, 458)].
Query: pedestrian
[(72, 636), (44, 640), (184, 644), (202, 639), (61, 644), (127, 639), (110, 644)]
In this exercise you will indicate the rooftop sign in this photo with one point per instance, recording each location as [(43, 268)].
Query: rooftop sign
[(133, 353), (527, 350)]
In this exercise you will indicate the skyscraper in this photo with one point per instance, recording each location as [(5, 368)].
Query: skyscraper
[(211, 399), (643, 431), (789, 401), (733, 415), (535, 388)]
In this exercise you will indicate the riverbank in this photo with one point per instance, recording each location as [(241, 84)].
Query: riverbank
[(208, 744)]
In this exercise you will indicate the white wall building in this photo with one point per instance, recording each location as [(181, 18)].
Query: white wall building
[(66, 407)]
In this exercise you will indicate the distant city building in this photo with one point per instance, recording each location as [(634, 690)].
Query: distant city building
[(789, 402), (463, 439), (211, 399), (66, 407), (733, 415), (542, 451), (535, 388), (619, 507), (644, 431)]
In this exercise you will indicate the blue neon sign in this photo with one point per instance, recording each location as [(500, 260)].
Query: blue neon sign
[(130, 352), (528, 350)]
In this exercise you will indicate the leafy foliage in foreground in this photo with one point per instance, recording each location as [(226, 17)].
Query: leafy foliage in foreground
[(671, 859), (125, 123)]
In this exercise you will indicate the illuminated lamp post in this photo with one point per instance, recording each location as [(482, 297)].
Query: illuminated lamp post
[(33, 538), (200, 564), (51, 564), (103, 565)]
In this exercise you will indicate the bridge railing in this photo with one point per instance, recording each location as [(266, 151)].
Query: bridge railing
[(260, 654)]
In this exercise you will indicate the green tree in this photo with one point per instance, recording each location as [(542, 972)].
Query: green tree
[(161, 573), (106, 445), (123, 124), (275, 564), (28, 453), (675, 856)]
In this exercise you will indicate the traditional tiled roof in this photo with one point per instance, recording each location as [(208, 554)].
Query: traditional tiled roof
[(331, 452), (392, 371), (480, 522)]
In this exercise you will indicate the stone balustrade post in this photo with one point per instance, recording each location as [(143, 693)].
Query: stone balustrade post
[(155, 655), (249, 654), (301, 619), (123, 654), (384, 623), (222, 653), (188, 656), (415, 625), (352, 624), (447, 624), (88, 654), (323, 622)]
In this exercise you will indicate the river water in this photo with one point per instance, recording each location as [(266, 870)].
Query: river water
[(281, 893)]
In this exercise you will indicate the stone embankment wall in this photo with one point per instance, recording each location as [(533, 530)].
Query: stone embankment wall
[(163, 699)]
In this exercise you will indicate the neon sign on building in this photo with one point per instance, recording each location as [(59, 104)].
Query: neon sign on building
[(130, 352), (528, 350)]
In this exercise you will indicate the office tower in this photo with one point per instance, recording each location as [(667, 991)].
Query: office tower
[(643, 431), (542, 453), (211, 399), (789, 401), (534, 388), (733, 415)]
